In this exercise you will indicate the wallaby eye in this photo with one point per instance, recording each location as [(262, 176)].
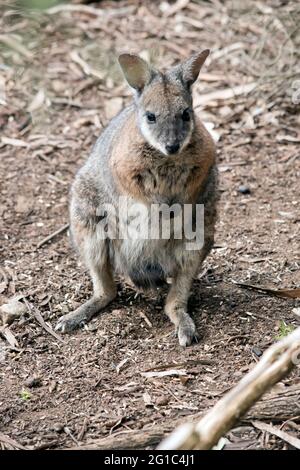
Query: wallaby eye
[(150, 117), (186, 115)]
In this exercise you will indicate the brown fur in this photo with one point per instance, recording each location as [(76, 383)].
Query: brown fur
[(141, 173)]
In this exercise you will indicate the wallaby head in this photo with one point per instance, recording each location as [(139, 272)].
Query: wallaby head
[(164, 100)]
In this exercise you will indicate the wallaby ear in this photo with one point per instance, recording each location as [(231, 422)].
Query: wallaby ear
[(191, 67), (136, 71)]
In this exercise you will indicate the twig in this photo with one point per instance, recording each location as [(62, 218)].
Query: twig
[(68, 432), (34, 311), (292, 440), (91, 11), (9, 41), (225, 51), (52, 235), (14, 142), (225, 94), (277, 361), (87, 69), (180, 365), (289, 293), (144, 316)]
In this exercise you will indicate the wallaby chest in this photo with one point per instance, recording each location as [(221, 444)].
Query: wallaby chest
[(166, 182)]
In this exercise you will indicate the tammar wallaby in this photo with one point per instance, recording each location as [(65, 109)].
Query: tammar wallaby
[(156, 150)]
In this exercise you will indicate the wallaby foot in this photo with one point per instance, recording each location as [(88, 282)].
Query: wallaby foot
[(184, 326), (82, 314), (186, 330)]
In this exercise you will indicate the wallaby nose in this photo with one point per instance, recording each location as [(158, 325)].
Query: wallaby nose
[(172, 148)]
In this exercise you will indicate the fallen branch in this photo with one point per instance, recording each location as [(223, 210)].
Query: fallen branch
[(280, 407), (127, 440), (276, 362)]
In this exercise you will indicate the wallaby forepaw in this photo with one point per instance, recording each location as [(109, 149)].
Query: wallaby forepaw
[(186, 332)]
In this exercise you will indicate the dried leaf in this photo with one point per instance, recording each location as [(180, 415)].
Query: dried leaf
[(37, 101), (147, 399), (9, 336)]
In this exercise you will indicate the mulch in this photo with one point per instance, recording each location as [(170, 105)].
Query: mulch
[(59, 86)]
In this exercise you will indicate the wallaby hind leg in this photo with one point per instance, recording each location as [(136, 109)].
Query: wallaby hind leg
[(104, 288), (177, 299), (176, 308)]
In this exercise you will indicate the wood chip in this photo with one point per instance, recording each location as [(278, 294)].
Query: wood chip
[(121, 364), (147, 399), (164, 373), (144, 316), (288, 139), (14, 142), (14, 44), (179, 5), (9, 336), (87, 69), (11, 442)]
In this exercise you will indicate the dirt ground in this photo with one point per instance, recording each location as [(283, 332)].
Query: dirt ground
[(59, 85)]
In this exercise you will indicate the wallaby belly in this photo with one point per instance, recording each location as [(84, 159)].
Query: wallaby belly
[(142, 253), (147, 262)]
